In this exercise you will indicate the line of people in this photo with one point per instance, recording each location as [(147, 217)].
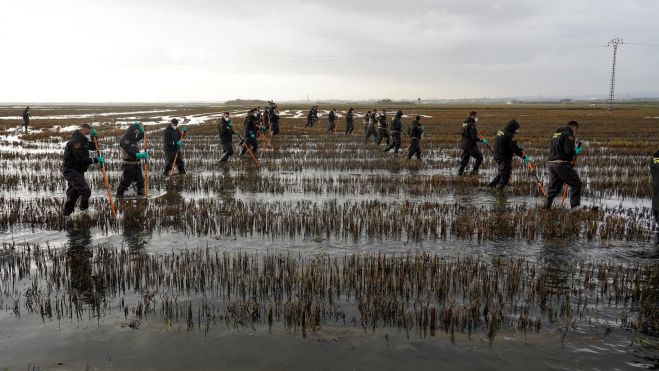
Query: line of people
[(563, 151)]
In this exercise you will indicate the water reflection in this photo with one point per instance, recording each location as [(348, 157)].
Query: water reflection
[(84, 284)]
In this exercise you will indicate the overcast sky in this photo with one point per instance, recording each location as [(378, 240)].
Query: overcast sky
[(167, 50)]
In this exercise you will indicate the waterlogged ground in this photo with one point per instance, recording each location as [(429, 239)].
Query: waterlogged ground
[(330, 254)]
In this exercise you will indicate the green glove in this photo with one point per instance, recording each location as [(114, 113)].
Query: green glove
[(578, 150), (184, 129), (142, 155), (93, 133), (485, 141), (230, 124), (527, 159), (137, 125), (100, 160), (252, 136), (179, 143)]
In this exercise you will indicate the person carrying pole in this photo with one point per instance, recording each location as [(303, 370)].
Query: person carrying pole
[(172, 143), (251, 131), (350, 121), (131, 156), (560, 163), (26, 118), (76, 162), (415, 132), (224, 127), (396, 130), (505, 147), (469, 145)]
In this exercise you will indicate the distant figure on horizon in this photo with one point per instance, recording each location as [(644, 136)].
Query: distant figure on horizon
[(26, 118)]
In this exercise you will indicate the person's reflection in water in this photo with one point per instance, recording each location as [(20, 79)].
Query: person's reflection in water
[(137, 229), (84, 284), (227, 193), (173, 194)]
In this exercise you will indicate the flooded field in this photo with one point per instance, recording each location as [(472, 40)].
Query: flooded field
[(330, 253)]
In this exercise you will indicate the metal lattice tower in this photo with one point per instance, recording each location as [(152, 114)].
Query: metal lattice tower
[(614, 43)]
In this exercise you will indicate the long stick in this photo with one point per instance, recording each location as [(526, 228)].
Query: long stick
[(171, 171), (248, 150), (265, 138), (105, 181), (146, 167), (532, 170)]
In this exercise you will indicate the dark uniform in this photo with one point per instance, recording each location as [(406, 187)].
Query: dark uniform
[(265, 120), (274, 122), (561, 167), (170, 138), (331, 121), (396, 130), (654, 167), (505, 147), (469, 145), (226, 137), (251, 130), (76, 162), (370, 128), (415, 131), (350, 121), (26, 118), (131, 167), (310, 118), (383, 132)]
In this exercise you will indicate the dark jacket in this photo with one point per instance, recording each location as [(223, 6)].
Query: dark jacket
[(505, 145), (470, 136), (128, 144), (562, 146), (171, 136), (225, 131), (654, 166), (274, 117), (415, 130), (26, 115), (382, 120), (397, 124), (349, 116), (76, 153), (251, 125), (332, 116)]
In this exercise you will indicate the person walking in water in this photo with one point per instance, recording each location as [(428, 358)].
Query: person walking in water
[(26, 118)]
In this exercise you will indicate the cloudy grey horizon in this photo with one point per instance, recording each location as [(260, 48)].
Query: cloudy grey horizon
[(204, 50)]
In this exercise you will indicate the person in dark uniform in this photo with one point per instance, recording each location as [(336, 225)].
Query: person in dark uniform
[(654, 167), (225, 128), (367, 119), (76, 163), (26, 118), (350, 123), (172, 142), (469, 145), (505, 147), (415, 133), (251, 130), (310, 117), (331, 120), (131, 156), (274, 121), (562, 152), (383, 131), (396, 129), (370, 129)]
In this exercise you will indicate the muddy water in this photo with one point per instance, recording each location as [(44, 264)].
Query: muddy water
[(107, 340)]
